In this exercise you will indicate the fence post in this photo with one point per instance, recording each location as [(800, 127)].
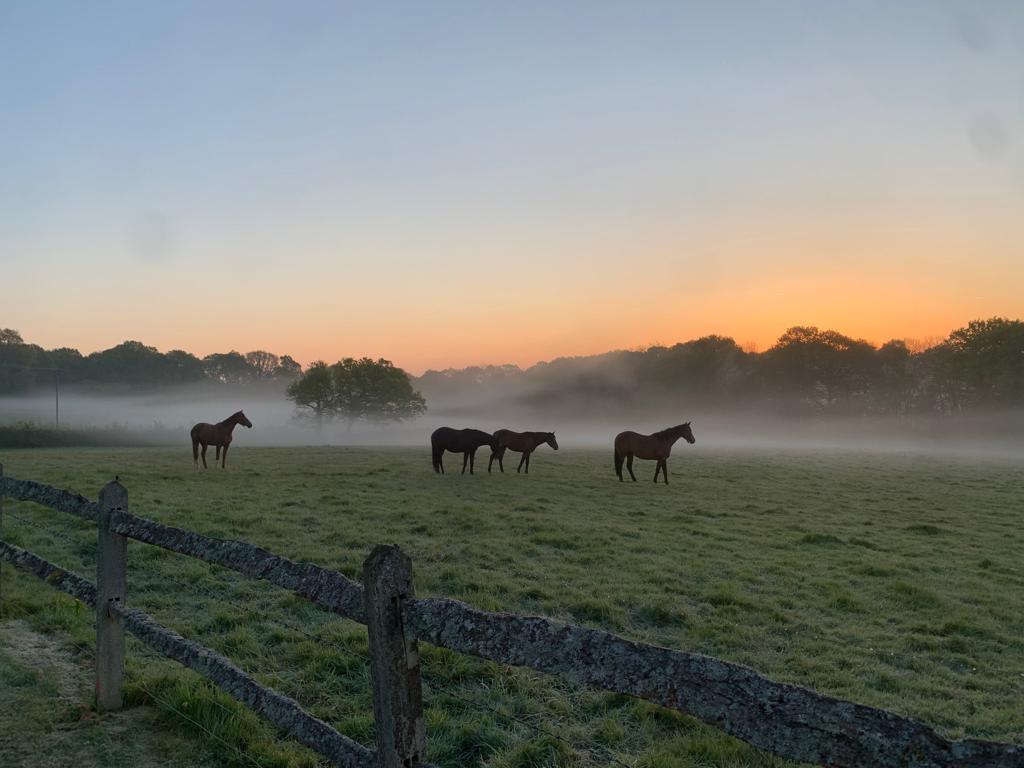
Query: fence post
[(394, 660), (111, 584)]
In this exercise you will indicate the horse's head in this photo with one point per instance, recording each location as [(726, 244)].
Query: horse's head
[(550, 440), (688, 433), (240, 419)]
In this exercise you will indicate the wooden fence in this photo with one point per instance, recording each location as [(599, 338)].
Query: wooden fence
[(788, 720)]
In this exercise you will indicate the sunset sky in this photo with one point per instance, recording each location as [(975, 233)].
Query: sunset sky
[(445, 184)]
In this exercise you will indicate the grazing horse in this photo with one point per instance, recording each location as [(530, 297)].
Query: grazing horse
[(464, 441), (521, 442), (657, 446), (217, 435)]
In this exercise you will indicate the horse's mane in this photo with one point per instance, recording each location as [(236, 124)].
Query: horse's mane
[(232, 417), (670, 432)]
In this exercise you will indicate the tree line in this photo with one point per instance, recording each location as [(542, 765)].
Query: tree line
[(132, 367), (807, 371)]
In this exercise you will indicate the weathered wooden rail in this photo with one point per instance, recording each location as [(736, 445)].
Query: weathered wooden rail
[(788, 720)]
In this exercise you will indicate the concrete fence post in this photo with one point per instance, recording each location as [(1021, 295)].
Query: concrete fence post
[(111, 584), (394, 660)]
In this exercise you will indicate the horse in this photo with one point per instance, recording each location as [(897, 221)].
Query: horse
[(657, 446), (521, 442), (464, 441), (217, 435)]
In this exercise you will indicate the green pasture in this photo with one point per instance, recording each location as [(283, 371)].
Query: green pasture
[(894, 580)]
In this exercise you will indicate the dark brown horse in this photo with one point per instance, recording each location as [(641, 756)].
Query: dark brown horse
[(657, 446), (464, 441), (521, 442), (217, 435)]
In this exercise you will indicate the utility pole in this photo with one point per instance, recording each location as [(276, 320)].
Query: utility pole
[(56, 387)]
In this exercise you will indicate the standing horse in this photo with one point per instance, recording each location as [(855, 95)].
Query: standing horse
[(464, 441), (657, 446), (521, 442), (217, 435)]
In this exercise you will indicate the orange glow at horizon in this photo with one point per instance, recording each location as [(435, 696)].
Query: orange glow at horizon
[(867, 272)]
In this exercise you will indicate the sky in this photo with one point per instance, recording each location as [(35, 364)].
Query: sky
[(455, 183)]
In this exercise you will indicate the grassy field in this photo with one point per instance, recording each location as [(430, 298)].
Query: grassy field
[(893, 580)]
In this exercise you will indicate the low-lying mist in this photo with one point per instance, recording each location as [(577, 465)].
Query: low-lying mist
[(166, 418)]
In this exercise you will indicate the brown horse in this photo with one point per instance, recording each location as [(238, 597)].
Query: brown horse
[(217, 435), (521, 442), (657, 446)]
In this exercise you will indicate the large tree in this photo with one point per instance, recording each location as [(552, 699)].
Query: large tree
[(351, 390), (988, 358), (314, 391), (824, 368), (374, 390)]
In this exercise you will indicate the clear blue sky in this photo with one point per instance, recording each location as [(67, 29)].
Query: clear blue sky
[(446, 183)]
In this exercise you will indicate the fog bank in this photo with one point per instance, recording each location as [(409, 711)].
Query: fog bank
[(166, 419)]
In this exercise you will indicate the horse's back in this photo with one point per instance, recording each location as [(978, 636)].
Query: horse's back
[(443, 435), (199, 429), (502, 437), (624, 438)]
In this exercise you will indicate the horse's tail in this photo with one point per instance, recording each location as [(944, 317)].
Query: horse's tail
[(618, 462), (437, 452), (195, 449)]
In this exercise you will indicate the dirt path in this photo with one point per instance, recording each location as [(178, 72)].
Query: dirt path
[(46, 719)]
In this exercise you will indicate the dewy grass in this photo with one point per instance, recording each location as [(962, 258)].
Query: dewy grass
[(894, 581)]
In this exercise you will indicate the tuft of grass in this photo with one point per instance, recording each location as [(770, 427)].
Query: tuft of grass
[(909, 595)]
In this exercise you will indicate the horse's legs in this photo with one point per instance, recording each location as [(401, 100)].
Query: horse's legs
[(664, 470), (224, 457), (216, 454), (205, 446), (523, 459), (629, 465), (472, 459), (657, 470), (465, 461), (526, 455)]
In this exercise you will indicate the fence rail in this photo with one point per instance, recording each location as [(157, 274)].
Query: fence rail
[(787, 720)]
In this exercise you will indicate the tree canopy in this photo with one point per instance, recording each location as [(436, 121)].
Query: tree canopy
[(353, 390)]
